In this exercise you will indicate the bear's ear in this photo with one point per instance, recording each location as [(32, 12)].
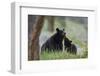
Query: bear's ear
[(57, 29), (63, 29), (70, 41)]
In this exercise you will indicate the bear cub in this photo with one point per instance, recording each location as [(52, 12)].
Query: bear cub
[(71, 48)]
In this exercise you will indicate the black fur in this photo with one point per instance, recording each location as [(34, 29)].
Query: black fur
[(71, 48), (55, 41)]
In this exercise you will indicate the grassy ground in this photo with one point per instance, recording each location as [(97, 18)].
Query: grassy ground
[(61, 55)]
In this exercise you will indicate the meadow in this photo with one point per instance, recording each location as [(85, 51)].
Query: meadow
[(45, 55)]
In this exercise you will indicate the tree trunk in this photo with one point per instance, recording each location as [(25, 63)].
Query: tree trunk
[(35, 38)]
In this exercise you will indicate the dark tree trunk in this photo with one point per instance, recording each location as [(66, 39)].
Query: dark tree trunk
[(34, 54)]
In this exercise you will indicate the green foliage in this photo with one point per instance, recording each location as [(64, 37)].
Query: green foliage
[(45, 55)]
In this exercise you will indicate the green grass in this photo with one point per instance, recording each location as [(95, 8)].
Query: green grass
[(61, 55)]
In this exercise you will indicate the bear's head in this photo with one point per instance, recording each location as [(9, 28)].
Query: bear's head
[(61, 33), (59, 36), (67, 42)]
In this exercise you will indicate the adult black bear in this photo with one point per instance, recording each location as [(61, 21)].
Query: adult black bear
[(54, 43), (71, 48)]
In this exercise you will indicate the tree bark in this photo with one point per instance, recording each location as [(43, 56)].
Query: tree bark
[(35, 38)]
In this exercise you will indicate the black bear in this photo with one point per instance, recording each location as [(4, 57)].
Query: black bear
[(55, 41), (71, 48)]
